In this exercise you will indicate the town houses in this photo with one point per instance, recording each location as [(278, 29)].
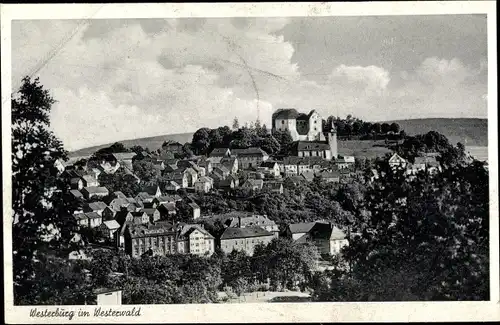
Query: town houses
[(164, 217)]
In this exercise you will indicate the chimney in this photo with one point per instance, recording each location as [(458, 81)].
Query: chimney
[(239, 221)]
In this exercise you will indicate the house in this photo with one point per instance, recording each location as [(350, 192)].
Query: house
[(397, 161), (108, 297), (169, 168), (327, 238), (311, 149), (288, 166), (76, 183), (231, 164), (178, 177), (222, 170), (94, 191), (167, 210), (97, 207), (124, 158), (253, 184), (109, 167), (144, 197), (192, 176), (119, 195), (250, 157), (206, 164), (123, 217), (298, 232), (195, 210), (172, 186), (157, 238), (164, 199), (152, 189), (172, 146), (194, 239), (345, 162), (220, 152), (184, 164), (272, 166), (244, 239), (308, 176), (153, 214), (330, 176), (81, 220), (428, 163), (76, 194), (78, 254), (109, 213), (245, 220), (89, 180), (118, 203), (95, 219), (214, 161), (303, 166), (203, 185), (230, 182), (273, 187), (109, 227), (139, 217)]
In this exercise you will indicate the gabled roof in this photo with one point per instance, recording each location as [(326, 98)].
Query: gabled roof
[(92, 215), (309, 176), (205, 179), (159, 228), (219, 152), (247, 232), (95, 190), (268, 164), (124, 155), (165, 199), (150, 189), (144, 196), (214, 160), (80, 216), (172, 184), (326, 231), (148, 211), (252, 152), (76, 193), (285, 114), (273, 185), (194, 205), (89, 179), (187, 229), (111, 224), (95, 206), (119, 195), (223, 169), (254, 182), (303, 227)]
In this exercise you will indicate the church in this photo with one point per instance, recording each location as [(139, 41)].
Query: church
[(311, 136)]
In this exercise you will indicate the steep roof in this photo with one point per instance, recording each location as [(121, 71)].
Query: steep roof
[(285, 114), (89, 178), (254, 182), (247, 232), (268, 164), (94, 206), (326, 231), (187, 229), (148, 211), (219, 152), (95, 190), (92, 215), (150, 189), (119, 195), (194, 205), (303, 227), (124, 155), (159, 228), (76, 193)]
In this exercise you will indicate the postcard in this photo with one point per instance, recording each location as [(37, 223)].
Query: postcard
[(250, 162)]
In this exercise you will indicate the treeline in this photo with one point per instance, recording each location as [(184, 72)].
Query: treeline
[(355, 128), (255, 135)]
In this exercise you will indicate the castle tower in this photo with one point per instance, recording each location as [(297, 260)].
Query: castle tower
[(331, 134)]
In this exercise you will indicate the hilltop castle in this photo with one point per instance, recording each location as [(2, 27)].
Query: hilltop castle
[(313, 138)]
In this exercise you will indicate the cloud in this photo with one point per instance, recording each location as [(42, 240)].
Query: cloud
[(136, 78)]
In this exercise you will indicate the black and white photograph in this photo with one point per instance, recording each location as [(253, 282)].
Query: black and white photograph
[(259, 160)]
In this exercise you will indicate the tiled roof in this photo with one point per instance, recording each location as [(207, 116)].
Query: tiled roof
[(326, 231), (94, 206), (124, 155), (285, 113), (76, 193), (194, 205), (95, 189), (252, 151), (160, 228), (247, 232), (296, 228), (89, 178), (92, 215), (268, 164), (254, 182), (219, 152)]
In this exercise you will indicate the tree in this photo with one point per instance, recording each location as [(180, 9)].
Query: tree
[(385, 128), (394, 127), (201, 142), (284, 139), (376, 128), (120, 181), (145, 170), (236, 124), (39, 198)]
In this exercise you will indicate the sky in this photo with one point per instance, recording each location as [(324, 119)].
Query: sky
[(118, 79)]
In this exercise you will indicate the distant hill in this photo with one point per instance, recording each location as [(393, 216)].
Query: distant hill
[(469, 131), (475, 131), (152, 143)]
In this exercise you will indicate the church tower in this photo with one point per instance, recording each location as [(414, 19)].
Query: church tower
[(331, 138)]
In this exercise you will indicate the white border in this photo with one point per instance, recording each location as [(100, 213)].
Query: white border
[(296, 312)]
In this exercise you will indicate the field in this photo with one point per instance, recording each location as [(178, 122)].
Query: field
[(362, 148)]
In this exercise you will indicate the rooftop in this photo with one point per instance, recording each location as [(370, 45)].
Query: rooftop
[(232, 233)]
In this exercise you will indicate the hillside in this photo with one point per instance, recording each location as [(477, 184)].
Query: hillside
[(474, 131), (469, 131), (152, 143)]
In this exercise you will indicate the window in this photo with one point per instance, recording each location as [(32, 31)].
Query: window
[(282, 122)]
